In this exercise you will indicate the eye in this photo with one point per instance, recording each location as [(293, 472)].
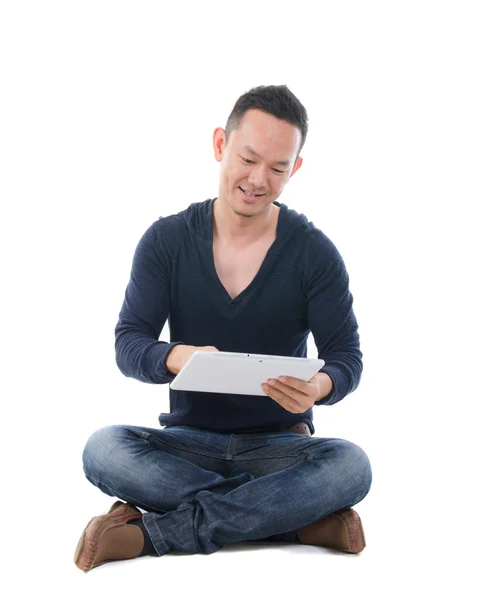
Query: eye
[(251, 162)]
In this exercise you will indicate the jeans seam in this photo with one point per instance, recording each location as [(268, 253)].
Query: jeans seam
[(303, 457), (222, 457), (159, 533), (237, 458)]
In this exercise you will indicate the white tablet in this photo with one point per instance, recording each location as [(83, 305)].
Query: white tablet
[(239, 373)]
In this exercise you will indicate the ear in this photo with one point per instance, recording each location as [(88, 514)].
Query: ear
[(297, 165), (219, 140)]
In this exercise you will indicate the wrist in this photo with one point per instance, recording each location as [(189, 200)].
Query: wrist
[(326, 385), (171, 362)]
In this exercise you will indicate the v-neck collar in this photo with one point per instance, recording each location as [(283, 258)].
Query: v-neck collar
[(224, 298)]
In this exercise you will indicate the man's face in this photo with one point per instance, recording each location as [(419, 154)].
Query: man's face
[(257, 161)]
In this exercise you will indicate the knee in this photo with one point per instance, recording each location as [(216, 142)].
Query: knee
[(350, 467), (99, 449), (355, 463)]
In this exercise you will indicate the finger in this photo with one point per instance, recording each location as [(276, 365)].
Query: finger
[(286, 401), (296, 394), (296, 384)]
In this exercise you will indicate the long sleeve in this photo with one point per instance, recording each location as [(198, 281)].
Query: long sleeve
[(145, 309), (331, 318)]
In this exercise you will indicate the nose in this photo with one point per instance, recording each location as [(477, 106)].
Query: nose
[(258, 178)]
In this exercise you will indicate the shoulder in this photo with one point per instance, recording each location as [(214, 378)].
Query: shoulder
[(161, 241), (172, 229), (321, 247), (320, 260), (316, 245)]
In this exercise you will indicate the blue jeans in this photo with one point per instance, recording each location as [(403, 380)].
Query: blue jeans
[(204, 490)]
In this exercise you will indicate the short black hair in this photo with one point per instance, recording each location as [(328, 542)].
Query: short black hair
[(276, 100)]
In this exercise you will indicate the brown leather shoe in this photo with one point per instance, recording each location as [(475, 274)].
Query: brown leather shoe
[(108, 537), (341, 530)]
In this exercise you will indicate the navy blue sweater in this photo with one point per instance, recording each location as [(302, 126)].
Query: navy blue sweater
[(302, 286)]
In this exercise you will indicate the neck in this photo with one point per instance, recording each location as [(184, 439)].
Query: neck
[(230, 226)]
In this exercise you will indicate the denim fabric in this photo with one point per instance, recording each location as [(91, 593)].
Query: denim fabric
[(204, 490)]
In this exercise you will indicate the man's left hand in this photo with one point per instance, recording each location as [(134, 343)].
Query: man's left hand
[(298, 396)]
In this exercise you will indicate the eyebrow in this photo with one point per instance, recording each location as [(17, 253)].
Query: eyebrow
[(284, 163)]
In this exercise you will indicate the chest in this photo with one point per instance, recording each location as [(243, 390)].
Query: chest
[(237, 267)]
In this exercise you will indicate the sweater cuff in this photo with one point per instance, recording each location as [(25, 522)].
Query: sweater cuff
[(336, 377), (155, 362)]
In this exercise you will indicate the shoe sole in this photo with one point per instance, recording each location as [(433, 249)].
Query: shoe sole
[(355, 531), (85, 560), (341, 531)]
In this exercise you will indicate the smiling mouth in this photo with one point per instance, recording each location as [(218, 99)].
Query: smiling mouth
[(249, 195)]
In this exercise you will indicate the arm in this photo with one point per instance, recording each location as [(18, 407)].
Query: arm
[(334, 326), (146, 307), (332, 320)]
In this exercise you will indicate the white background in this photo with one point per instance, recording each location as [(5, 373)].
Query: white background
[(107, 115)]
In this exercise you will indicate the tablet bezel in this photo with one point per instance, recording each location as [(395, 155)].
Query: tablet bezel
[(240, 373)]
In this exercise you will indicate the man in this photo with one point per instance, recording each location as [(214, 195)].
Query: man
[(240, 273)]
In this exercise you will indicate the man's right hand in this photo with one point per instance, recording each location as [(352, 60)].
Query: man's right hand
[(179, 355)]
